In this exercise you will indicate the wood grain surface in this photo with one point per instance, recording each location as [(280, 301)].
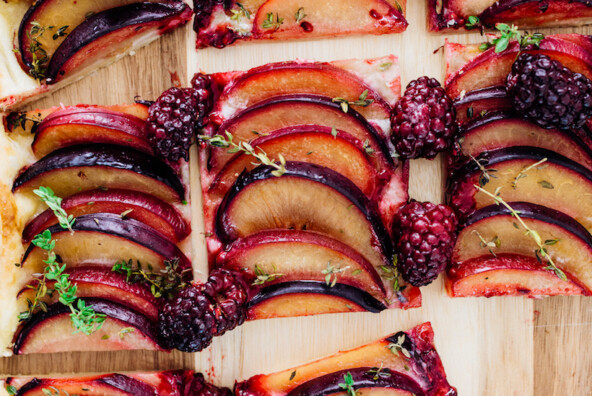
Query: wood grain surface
[(497, 346)]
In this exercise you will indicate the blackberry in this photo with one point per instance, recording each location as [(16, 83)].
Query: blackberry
[(197, 386), (548, 93), (202, 83), (425, 234), (424, 120), (171, 123), (202, 311)]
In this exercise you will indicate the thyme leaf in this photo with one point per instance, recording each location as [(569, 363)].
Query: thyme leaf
[(348, 384), (263, 276), (271, 23), (522, 173), (331, 273), (300, 15), (362, 101)]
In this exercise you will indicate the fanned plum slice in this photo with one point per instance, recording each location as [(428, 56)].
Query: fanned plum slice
[(501, 130), (89, 167), (294, 110), (557, 182), (302, 298), (100, 283), (323, 146), (305, 197), (52, 331), (528, 13), (299, 255), (112, 32), (480, 102), (417, 369), (339, 17), (568, 243), (104, 239), (58, 14), (130, 204), (285, 78), (92, 126), (490, 69)]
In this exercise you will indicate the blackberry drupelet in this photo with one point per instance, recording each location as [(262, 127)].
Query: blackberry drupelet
[(424, 120), (202, 83), (548, 93), (424, 234), (202, 311), (199, 387)]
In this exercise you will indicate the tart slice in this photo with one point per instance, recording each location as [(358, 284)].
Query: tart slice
[(405, 363), (522, 141), (474, 14), (219, 24), (297, 174), (172, 383), (56, 43)]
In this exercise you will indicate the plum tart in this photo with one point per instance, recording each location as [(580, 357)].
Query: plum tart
[(47, 44), (476, 14), (405, 363), (165, 383), (219, 23), (520, 170)]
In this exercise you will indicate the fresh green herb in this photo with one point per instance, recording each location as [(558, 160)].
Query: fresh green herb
[(398, 6), (362, 101), (105, 337), (377, 372), (546, 184), (16, 119), (397, 347), (348, 386), (493, 244), (356, 272), (509, 33), (55, 204), (61, 32), (486, 173), (124, 214), (164, 283), (522, 173), (473, 22), (53, 391), (39, 57), (271, 23), (367, 148), (334, 132), (292, 375), (124, 331), (300, 15), (331, 273), (238, 14), (263, 276), (227, 142), (470, 112), (11, 390), (391, 273), (541, 253), (385, 66)]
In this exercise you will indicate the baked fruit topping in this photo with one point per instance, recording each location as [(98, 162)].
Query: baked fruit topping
[(424, 234), (548, 93), (424, 120), (201, 311), (401, 364)]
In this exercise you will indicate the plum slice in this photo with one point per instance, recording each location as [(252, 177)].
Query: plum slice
[(557, 182), (490, 69), (81, 168), (285, 78), (111, 384), (306, 197), (104, 239), (92, 126), (132, 204), (100, 283), (514, 260), (478, 103), (299, 255), (301, 298), (339, 17), (418, 370), (323, 146), (498, 130), (52, 331), (111, 32), (293, 110)]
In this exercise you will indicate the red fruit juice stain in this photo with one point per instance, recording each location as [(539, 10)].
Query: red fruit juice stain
[(175, 80), (306, 26), (374, 14)]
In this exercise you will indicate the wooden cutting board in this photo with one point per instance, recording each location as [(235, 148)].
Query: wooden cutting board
[(497, 346)]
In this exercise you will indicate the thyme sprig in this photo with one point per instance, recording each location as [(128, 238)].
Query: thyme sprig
[(331, 273), (272, 23), (300, 15), (486, 173), (55, 204), (507, 33), (84, 319), (39, 57), (348, 384), (493, 244), (53, 391), (473, 22), (16, 119), (398, 348), (362, 101), (259, 154), (164, 283), (241, 12), (522, 173), (263, 276), (377, 372), (391, 273), (541, 253)]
